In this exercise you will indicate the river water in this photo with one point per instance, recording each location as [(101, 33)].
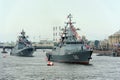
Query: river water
[(35, 68)]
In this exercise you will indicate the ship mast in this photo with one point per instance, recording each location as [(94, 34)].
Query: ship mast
[(74, 30), (70, 20), (68, 23), (70, 33), (23, 33)]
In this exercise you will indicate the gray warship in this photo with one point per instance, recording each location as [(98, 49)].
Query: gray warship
[(71, 48), (23, 47)]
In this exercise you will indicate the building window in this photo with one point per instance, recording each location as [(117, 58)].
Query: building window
[(56, 34)]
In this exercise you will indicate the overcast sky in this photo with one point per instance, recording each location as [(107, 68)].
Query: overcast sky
[(97, 19)]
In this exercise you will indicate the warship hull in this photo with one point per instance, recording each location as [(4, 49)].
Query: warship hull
[(28, 52), (78, 57)]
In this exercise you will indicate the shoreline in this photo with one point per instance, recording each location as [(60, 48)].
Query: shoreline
[(102, 53)]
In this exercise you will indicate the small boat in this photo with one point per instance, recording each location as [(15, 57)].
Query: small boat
[(23, 47), (71, 48)]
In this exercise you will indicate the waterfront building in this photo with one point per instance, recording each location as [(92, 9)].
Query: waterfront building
[(91, 43), (96, 43), (1, 44), (99, 44), (56, 33), (104, 44), (114, 39)]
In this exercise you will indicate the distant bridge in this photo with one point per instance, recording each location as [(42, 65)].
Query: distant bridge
[(43, 47)]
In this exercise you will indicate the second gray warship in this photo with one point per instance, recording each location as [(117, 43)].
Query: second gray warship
[(23, 47), (71, 49)]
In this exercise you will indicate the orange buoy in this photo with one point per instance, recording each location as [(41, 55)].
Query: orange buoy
[(50, 63)]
